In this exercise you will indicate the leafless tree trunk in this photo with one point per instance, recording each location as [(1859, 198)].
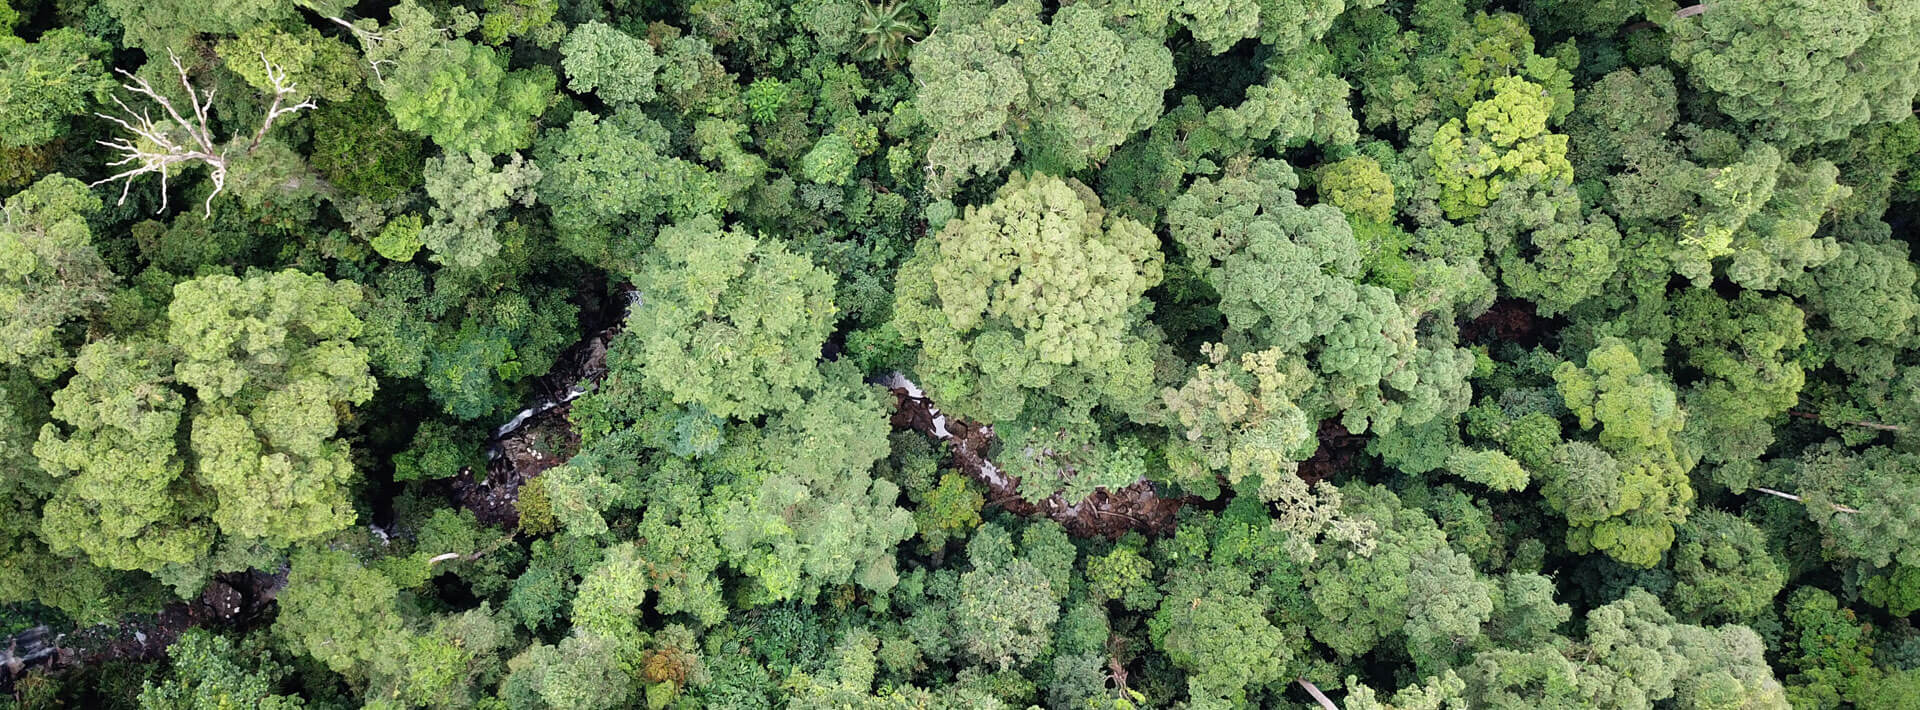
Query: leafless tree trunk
[(1797, 499), (1690, 11), (156, 147), (1314, 690)]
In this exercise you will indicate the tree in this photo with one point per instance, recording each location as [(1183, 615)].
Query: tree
[(43, 83), (1802, 72), (1723, 568), (610, 63), (50, 273), (1625, 496), (341, 614), (608, 181), (802, 511), (121, 498), (1289, 278), (1357, 186), (468, 193), (1067, 92), (1034, 295), (272, 362), (455, 92), (1504, 138), (1876, 482), (730, 322), (211, 671), (1211, 625)]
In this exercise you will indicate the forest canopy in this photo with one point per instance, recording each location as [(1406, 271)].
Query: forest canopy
[(1065, 354)]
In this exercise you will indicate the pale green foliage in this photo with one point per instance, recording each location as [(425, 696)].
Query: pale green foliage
[(50, 273), (1623, 500), (1504, 138), (120, 469), (830, 162), (1745, 349), (1006, 614), (1881, 484), (1563, 262), (1803, 71), (315, 65), (341, 614), (1360, 592), (1865, 293), (455, 92), (730, 322), (1301, 101), (1447, 602), (1008, 604), (1493, 469), (1294, 284), (613, 64), (805, 511), (584, 672), (1357, 186), (1068, 92), (610, 595), (209, 671), (44, 82), (468, 193), (272, 361), (1211, 625), (1035, 293), (1634, 655), (1442, 691), (1241, 418)]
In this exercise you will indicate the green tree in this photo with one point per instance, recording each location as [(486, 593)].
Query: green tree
[(1801, 72), (1504, 138), (44, 82), (468, 194), (603, 60), (341, 614), (608, 181), (1723, 568), (455, 92), (1034, 294), (122, 499), (1067, 92), (730, 322), (212, 671), (272, 361), (50, 273), (1626, 496)]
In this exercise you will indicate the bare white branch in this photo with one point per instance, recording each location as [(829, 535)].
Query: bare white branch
[(156, 147), (1789, 496), (368, 40)]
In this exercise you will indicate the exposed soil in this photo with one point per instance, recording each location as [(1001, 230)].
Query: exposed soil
[(539, 438), (1106, 513), (1337, 449), (230, 601), (1508, 320)]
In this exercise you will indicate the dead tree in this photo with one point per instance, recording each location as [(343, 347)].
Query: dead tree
[(177, 139)]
